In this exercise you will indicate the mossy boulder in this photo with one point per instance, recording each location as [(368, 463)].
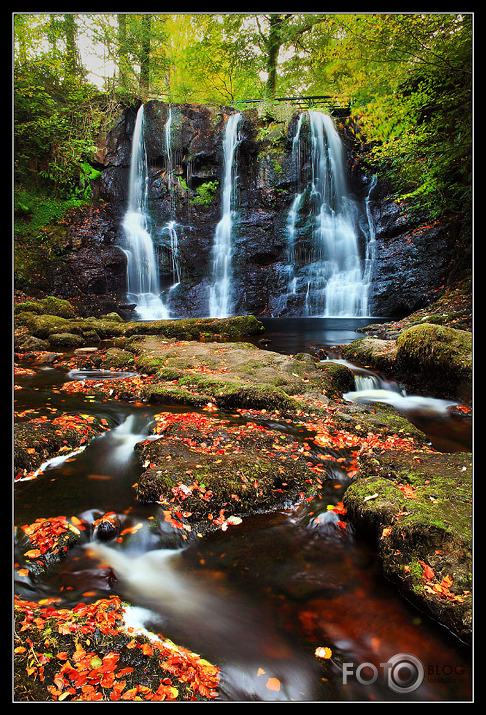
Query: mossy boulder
[(436, 358), (117, 359), (238, 374), (205, 466), (47, 306), (372, 352), (417, 505), (65, 340), (194, 328)]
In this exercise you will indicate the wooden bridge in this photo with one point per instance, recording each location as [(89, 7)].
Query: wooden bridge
[(336, 106)]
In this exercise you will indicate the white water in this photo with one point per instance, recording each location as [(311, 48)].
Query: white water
[(216, 619), (331, 276), (407, 404), (220, 291), (370, 387), (143, 286)]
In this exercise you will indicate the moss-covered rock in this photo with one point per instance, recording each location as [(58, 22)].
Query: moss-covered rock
[(173, 395), (372, 352), (436, 358), (418, 507), (205, 467), (193, 328), (47, 306), (37, 440), (52, 315), (118, 359), (65, 340), (236, 375)]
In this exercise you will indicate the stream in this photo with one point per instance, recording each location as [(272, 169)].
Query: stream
[(259, 598)]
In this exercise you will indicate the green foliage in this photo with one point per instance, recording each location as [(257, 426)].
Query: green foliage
[(409, 77), (39, 232), (55, 125), (412, 89), (35, 212), (205, 193)]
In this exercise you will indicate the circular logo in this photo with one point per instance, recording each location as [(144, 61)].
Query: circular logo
[(405, 673)]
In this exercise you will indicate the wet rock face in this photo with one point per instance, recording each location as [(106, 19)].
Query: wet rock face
[(411, 264)]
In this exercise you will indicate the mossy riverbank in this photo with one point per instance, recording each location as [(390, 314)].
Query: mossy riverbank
[(222, 458)]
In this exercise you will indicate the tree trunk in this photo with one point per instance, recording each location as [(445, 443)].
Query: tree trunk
[(145, 56), (122, 50), (71, 49), (274, 44)]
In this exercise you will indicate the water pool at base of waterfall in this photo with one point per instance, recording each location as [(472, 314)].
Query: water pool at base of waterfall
[(293, 335)]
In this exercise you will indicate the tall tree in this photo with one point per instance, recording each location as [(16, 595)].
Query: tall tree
[(122, 49), (274, 41), (72, 63), (145, 56)]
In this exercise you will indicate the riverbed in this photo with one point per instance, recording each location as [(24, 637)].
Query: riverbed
[(260, 597)]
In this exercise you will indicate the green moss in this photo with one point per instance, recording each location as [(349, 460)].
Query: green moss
[(118, 359), (372, 352), (436, 358), (149, 364), (65, 340), (173, 395), (417, 505), (435, 346)]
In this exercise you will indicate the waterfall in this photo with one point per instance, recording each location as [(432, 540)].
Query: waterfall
[(370, 244), (220, 290), (142, 271), (171, 227), (329, 274), (174, 254)]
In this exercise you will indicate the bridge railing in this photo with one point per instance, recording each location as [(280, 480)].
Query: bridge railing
[(335, 105)]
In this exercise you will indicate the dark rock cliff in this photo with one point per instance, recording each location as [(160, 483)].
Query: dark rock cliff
[(411, 262)]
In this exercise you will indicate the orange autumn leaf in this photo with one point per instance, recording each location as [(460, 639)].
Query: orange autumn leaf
[(428, 572), (33, 553), (408, 491), (446, 582), (273, 684)]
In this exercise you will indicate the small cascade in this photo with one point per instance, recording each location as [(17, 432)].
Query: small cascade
[(371, 387), (142, 271), (366, 380), (370, 244), (169, 169), (170, 228), (220, 290), (329, 273)]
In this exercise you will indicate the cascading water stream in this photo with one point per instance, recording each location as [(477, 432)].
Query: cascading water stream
[(329, 274), (220, 290), (143, 286), (171, 226)]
